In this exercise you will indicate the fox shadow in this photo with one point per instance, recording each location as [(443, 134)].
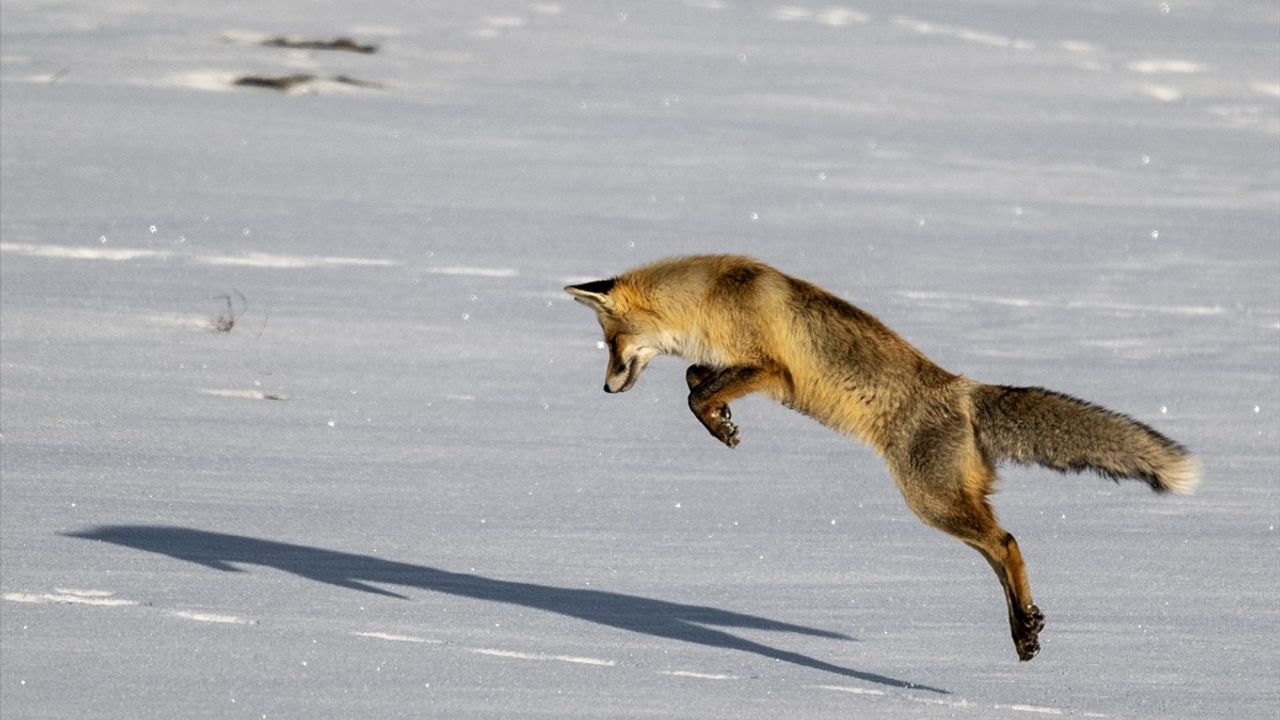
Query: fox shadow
[(660, 618)]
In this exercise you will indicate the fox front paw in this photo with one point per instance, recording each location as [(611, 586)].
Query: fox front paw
[(724, 430)]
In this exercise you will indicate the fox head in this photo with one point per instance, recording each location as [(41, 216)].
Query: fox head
[(631, 332)]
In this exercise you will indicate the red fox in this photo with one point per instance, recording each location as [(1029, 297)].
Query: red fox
[(747, 327)]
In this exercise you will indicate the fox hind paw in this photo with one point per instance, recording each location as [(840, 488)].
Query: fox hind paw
[(1028, 639)]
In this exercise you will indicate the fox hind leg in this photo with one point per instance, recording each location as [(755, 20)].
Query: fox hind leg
[(1025, 619), (949, 492)]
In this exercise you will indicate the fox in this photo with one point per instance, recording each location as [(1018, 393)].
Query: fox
[(749, 328)]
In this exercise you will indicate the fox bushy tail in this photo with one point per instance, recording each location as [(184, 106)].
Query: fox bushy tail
[(1034, 425)]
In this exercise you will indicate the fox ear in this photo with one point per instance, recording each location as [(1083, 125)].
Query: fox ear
[(594, 294)]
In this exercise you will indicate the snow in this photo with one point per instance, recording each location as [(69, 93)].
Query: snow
[(393, 488)]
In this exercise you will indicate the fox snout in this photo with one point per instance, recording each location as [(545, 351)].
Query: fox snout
[(621, 376), (626, 362)]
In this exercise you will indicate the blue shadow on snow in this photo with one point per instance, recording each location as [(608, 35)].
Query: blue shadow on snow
[(660, 618)]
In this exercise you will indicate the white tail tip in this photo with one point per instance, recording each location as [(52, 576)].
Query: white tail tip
[(1182, 475)]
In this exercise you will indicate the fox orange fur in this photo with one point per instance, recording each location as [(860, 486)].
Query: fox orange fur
[(747, 327)]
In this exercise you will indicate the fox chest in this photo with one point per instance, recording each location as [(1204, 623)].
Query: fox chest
[(699, 350)]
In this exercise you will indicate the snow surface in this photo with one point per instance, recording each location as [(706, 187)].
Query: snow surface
[(394, 488)]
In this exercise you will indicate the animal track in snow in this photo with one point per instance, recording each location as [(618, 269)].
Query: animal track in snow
[(215, 618), (101, 598), (392, 637), (517, 655)]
